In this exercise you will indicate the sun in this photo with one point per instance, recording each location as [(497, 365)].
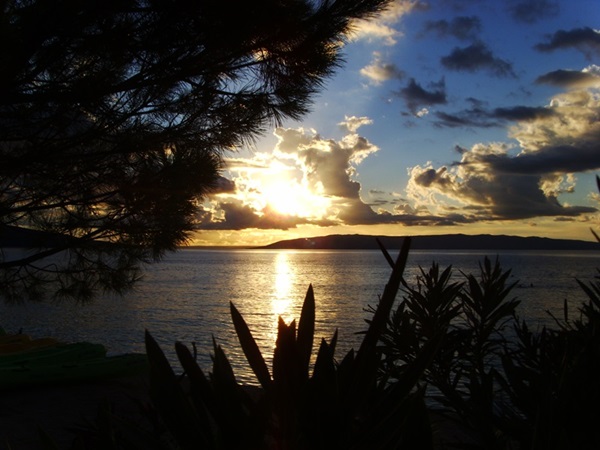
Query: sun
[(289, 196)]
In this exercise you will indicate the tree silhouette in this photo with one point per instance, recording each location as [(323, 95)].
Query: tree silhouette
[(115, 114)]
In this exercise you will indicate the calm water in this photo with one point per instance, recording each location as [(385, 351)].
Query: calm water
[(186, 297)]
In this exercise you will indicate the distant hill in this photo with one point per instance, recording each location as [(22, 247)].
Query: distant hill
[(437, 242), (26, 238)]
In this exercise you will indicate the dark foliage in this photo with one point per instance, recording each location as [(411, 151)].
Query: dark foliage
[(502, 384), (339, 406)]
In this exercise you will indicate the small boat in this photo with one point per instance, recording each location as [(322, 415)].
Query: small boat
[(59, 353), (92, 369), (26, 345), (30, 362)]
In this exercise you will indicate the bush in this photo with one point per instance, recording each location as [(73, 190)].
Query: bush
[(507, 386)]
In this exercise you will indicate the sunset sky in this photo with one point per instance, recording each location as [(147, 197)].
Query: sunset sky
[(450, 116)]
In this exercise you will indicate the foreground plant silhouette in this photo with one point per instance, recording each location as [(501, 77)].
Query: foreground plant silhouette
[(337, 406), (503, 385)]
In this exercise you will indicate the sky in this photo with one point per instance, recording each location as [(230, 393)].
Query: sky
[(457, 116)]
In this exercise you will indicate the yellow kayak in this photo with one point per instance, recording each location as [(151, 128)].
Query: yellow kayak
[(26, 345)]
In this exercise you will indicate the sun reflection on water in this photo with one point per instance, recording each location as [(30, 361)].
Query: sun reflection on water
[(282, 301)]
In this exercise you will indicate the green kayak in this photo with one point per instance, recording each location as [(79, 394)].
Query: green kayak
[(57, 354), (88, 369)]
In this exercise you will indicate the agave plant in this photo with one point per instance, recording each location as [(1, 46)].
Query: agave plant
[(338, 405)]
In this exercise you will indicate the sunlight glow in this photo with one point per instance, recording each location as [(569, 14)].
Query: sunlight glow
[(286, 195)]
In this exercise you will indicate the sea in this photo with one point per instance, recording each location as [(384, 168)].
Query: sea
[(187, 296)]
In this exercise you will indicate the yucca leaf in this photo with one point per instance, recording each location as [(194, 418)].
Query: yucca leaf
[(386, 254), (234, 402), (222, 371), (250, 348), (286, 357), (202, 393), (366, 362), (306, 331), (47, 442), (170, 400), (386, 302)]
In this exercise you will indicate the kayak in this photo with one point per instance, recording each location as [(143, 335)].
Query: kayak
[(56, 354), (28, 362), (91, 369), (26, 345), (12, 338)]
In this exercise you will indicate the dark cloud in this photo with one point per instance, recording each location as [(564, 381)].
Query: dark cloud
[(224, 186), (553, 159), (586, 40), (522, 113), (531, 11), (494, 193), (478, 117), (416, 96), (569, 79), (477, 57), (463, 28), (469, 118), (239, 216), (358, 213)]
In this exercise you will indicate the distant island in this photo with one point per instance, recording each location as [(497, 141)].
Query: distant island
[(434, 242)]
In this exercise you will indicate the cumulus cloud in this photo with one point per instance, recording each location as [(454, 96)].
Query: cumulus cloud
[(463, 28), (416, 97), (531, 11), (477, 57), (492, 182), (489, 181), (327, 170), (572, 79), (586, 40), (378, 71), (316, 171)]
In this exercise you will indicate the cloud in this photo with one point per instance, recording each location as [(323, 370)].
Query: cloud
[(479, 117), (492, 182), (522, 113), (352, 124), (531, 11), (238, 216), (326, 168), (224, 186), (381, 27), (463, 28), (378, 71), (488, 182), (469, 118), (477, 57), (573, 123), (416, 97), (572, 79), (586, 40)]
